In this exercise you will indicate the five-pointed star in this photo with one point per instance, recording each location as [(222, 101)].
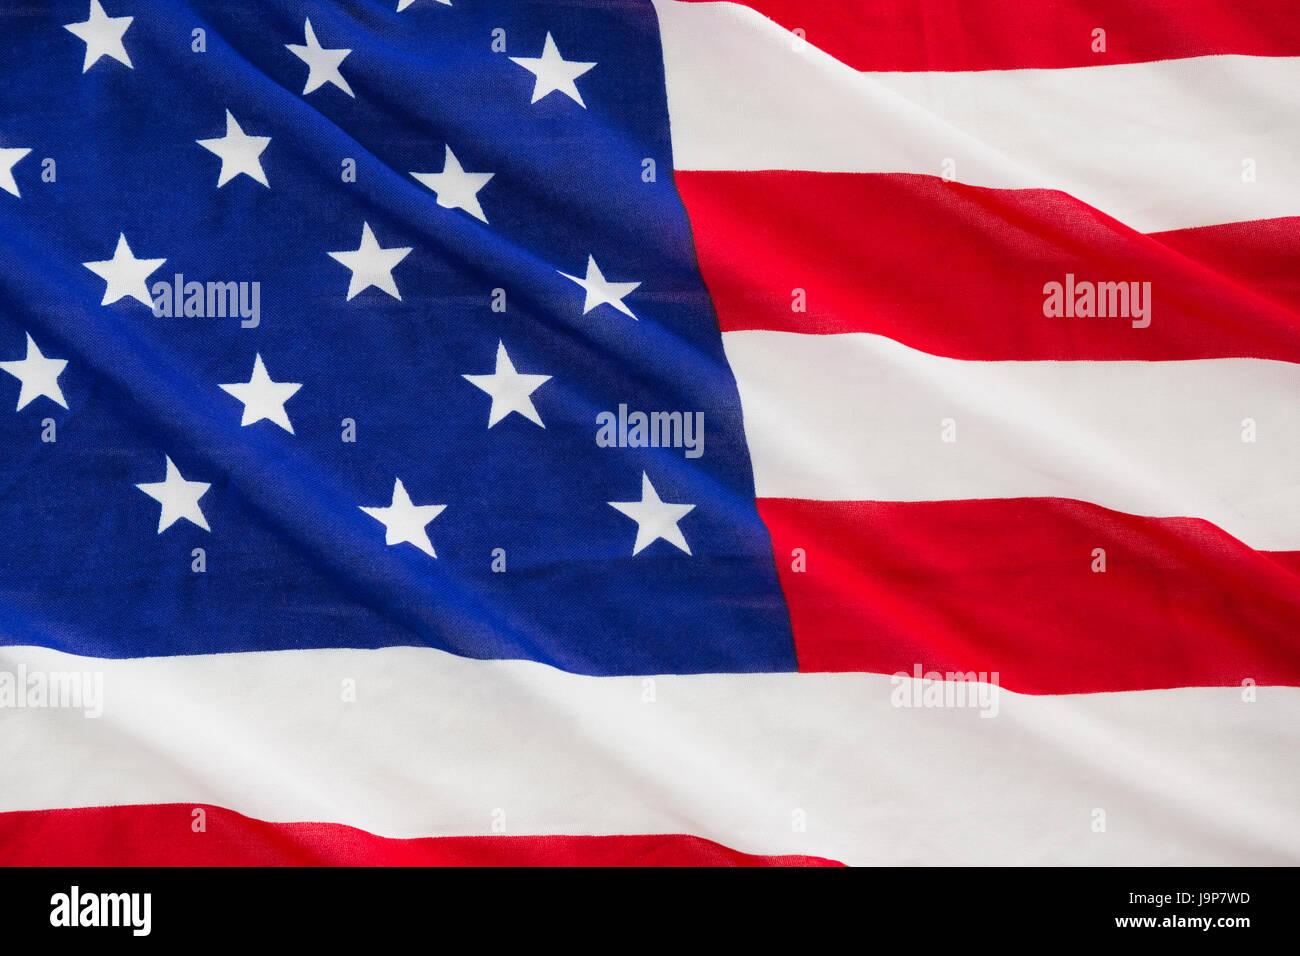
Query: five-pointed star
[(371, 264), (263, 398), (179, 498), (455, 188), (403, 4), (509, 389), (405, 522), (39, 376), (102, 35), (9, 157), (239, 153), (323, 63), (600, 291), (654, 518), (554, 73), (125, 274)]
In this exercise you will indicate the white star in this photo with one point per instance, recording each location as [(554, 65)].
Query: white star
[(323, 64), (554, 73), (455, 188), (600, 291), (239, 153), (403, 4), (39, 376), (654, 518), (8, 159), (102, 35), (509, 389), (125, 274), (371, 264), (263, 398), (404, 521), (179, 498)]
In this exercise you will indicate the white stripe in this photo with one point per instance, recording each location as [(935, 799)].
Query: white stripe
[(1157, 145), (434, 744), (858, 417)]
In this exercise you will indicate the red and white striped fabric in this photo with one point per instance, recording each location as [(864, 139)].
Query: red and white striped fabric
[(916, 171), (920, 215)]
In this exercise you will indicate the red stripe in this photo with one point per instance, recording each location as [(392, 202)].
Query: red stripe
[(1008, 586), (162, 835), (1260, 255), (960, 270), (914, 35)]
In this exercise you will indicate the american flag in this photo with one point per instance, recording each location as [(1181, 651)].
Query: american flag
[(468, 431)]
